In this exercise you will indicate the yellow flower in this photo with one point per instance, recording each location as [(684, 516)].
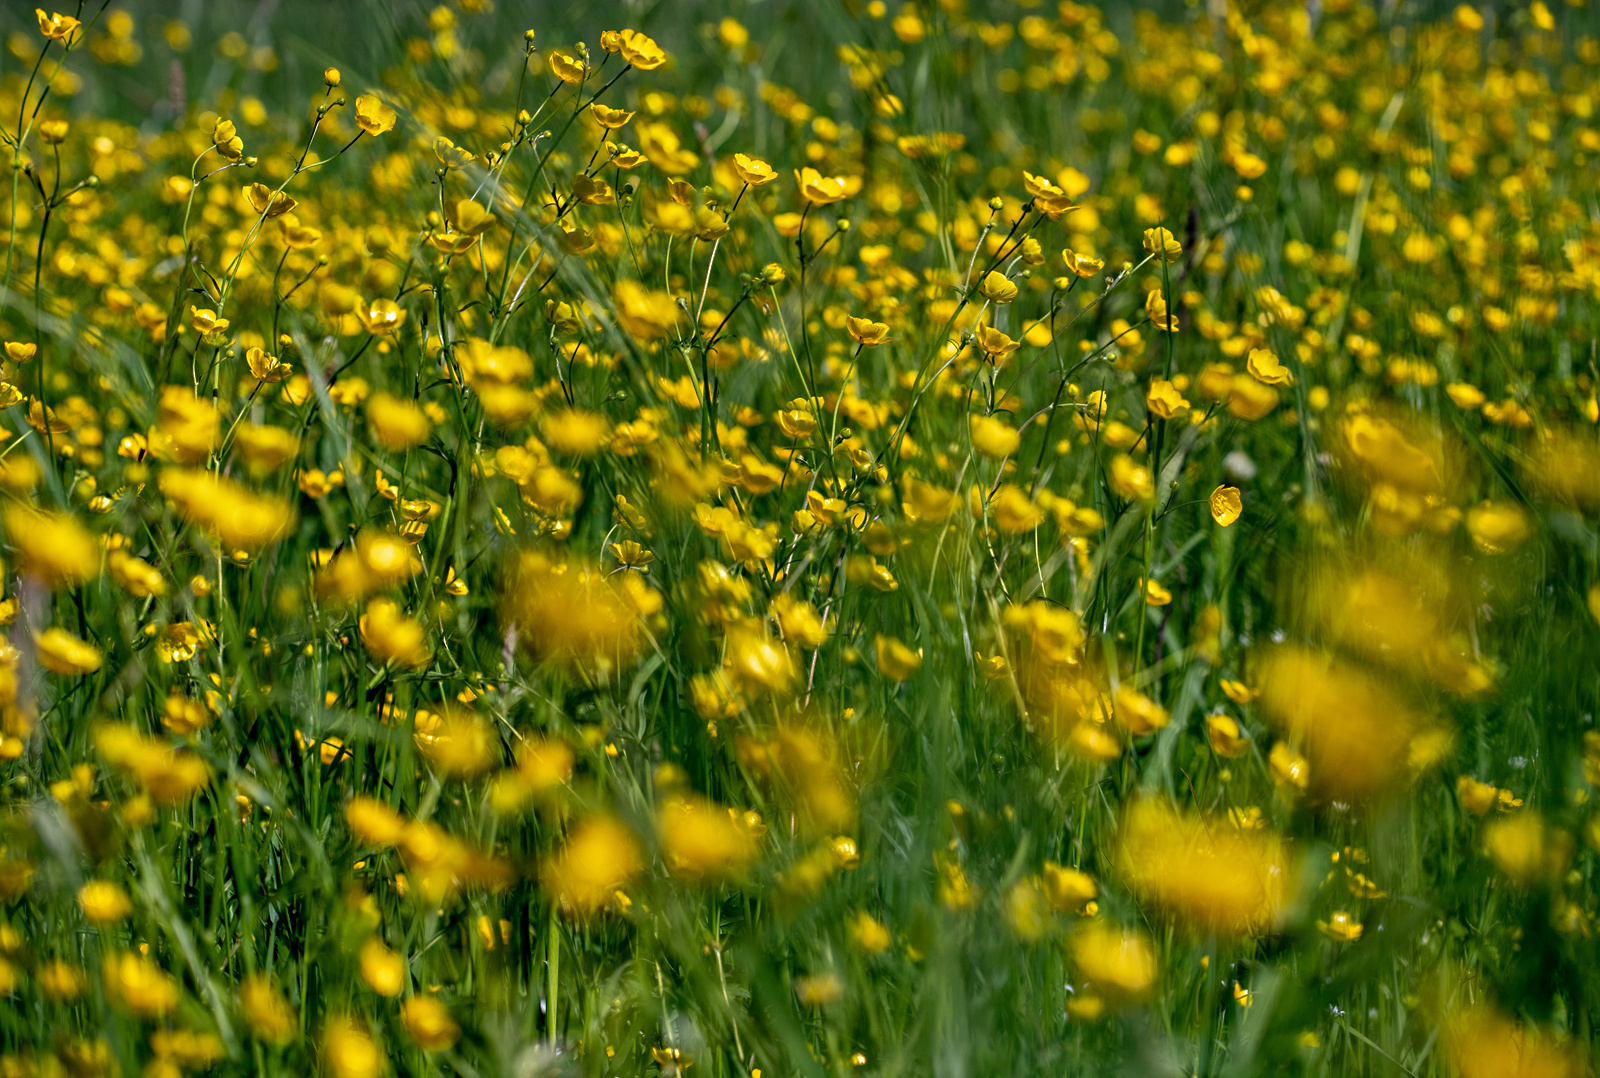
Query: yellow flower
[(349, 1051), (600, 857), (381, 316), (1164, 400), (1264, 367), (397, 424), (753, 170), (1355, 730), (575, 430), (1155, 594), (57, 27), (61, 982), (665, 150), (755, 661), (1527, 849), (1226, 505), (295, 236), (51, 547), (896, 661), (732, 33), (390, 636), (1478, 798), (457, 743), (867, 332), (1131, 480), (631, 555), (1068, 890), (566, 67), (205, 322), (18, 352), (265, 367), (225, 137), (262, 199), (1155, 309), (1162, 244), (821, 190), (266, 1011), (470, 218), (993, 437), (1118, 963), (1014, 511), (1209, 875), (62, 653), (1139, 714), (239, 517), (609, 118), (996, 345), (643, 313), (701, 840), (140, 985), (1340, 926), (1249, 399), (374, 822), (1289, 769), (1497, 527), (183, 715), (870, 935), (568, 612), (104, 903), (1225, 736), (53, 132), (641, 51), (429, 1023), (373, 116), (623, 157), (1048, 199), (382, 969), (1081, 265), (169, 776), (996, 287), (1482, 1042)]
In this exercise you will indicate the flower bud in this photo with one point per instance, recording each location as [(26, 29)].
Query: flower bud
[(330, 77)]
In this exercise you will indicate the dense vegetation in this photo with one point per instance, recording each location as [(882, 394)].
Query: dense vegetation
[(954, 538)]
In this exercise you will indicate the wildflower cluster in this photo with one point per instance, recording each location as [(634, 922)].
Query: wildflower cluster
[(1055, 541)]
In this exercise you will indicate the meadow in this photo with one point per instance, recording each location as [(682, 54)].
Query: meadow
[(756, 539)]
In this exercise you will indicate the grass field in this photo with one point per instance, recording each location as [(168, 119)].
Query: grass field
[(957, 539)]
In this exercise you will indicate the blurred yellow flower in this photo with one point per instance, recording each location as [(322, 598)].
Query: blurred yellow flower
[(1206, 874), (429, 1024), (599, 859)]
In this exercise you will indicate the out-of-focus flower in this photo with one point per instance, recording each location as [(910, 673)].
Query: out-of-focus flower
[(1118, 964), (1205, 873), (348, 1050), (1355, 731), (599, 859), (429, 1023)]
